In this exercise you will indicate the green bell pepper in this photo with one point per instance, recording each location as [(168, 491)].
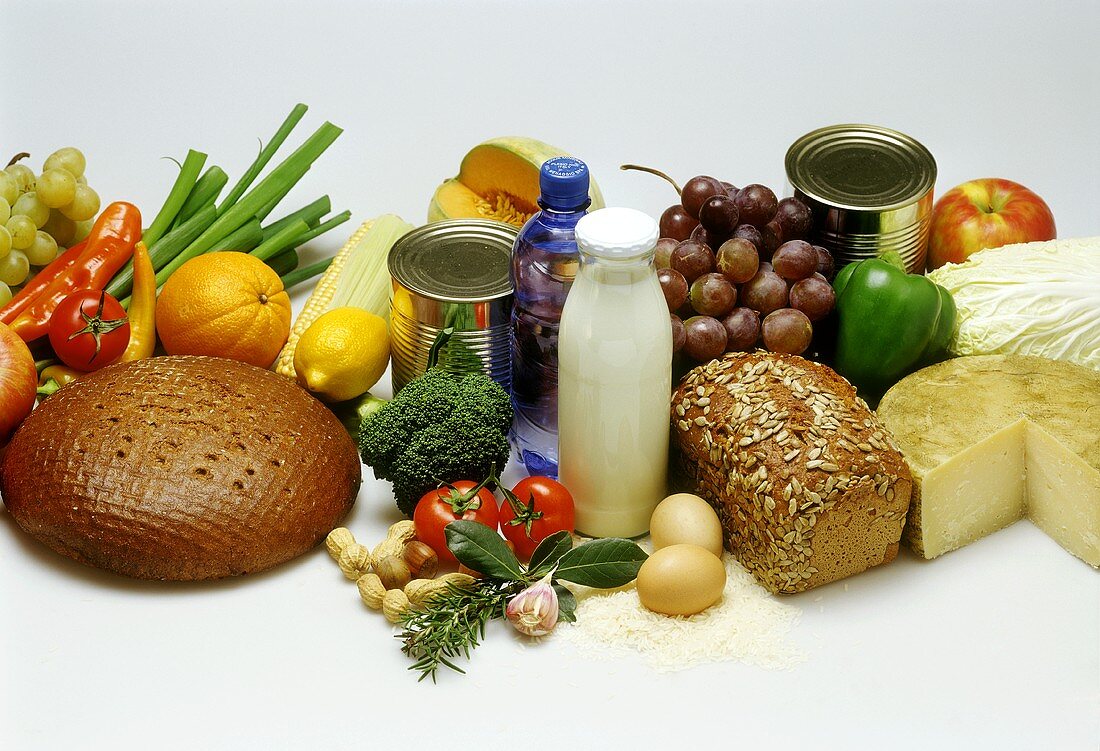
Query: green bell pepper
[(890, 323)]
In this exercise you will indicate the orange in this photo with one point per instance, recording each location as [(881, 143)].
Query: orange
[(225, 304)]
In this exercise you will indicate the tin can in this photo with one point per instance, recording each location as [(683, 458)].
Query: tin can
[(869, 189), (452, 274)]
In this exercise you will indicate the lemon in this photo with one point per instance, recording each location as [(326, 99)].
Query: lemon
[(342, 354)]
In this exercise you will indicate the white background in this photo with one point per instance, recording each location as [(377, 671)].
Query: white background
[(996, 645)]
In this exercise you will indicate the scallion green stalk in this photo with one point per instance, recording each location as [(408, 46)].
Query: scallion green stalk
[(264, 157), (322, 228), (205, 192), (297, 276), (244, 238), (275, 182), (310, 214), (185, 181), (281, 240), (284, 262)]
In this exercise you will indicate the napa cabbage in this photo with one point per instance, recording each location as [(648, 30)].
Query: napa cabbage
[(1039, 299)]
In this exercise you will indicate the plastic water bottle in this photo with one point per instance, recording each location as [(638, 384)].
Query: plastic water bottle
[(544, 264)]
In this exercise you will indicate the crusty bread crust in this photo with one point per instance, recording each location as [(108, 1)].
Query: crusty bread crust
[(180, 468), (809, 487)]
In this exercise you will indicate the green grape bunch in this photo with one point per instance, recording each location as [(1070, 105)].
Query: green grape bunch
[(42, 215)]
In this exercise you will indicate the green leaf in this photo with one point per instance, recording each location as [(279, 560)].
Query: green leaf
[(567, 604), (548, 552), (483, 550), (605, 564)]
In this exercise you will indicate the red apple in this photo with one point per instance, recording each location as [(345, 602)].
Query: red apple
[(18, 382), (986, 213)]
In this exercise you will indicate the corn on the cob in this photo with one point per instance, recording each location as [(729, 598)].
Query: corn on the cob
[(358, 276)]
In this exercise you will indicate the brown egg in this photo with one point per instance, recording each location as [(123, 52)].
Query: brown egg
[(681, 580), (686, 518)]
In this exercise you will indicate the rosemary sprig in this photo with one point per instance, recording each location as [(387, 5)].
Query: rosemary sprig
[(453, 624)]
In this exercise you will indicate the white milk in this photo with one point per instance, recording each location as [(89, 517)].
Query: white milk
[(614, 377)]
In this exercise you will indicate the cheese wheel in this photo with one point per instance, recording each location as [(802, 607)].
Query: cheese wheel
[(995, 438)]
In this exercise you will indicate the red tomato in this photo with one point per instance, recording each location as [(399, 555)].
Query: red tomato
[(88, 330), (545, 507), (459, 500)]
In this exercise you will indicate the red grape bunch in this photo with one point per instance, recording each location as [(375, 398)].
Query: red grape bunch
[(737, 272)]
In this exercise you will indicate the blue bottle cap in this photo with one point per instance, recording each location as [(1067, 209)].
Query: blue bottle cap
[(563, 183)]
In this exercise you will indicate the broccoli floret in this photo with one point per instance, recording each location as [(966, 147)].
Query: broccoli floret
[(439, 428), (478, 393)]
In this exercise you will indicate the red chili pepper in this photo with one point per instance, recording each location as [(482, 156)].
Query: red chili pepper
[(31, 291), (108, 246)]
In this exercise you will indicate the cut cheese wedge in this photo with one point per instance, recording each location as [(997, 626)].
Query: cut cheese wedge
[(994, 439)]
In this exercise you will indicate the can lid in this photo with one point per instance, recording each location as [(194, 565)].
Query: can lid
[(860, 167), (563, 182), (461, 260), (616, 233)]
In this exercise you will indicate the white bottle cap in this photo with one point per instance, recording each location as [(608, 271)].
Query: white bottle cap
[(616, 233)]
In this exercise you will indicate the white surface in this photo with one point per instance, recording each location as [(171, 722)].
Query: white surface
[(993, 646)]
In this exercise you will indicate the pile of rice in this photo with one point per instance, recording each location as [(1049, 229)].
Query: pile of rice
[(747, 625)]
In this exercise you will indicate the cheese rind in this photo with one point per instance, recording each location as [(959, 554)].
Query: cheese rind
[(990, 439)]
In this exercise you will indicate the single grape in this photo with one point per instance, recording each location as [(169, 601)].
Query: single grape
[(42, 250), (766, 266), (719, 215), (5, 210), (731, 189), (665, 246), (31, 207), (795, 259), (83, 229), (14, 268), (9, 190), (711, 240), (698, 189), (794, 217), (679, 336), (56, 188), (765, 292), (5, 294), (713, 295), (825, 264), (772, 234), (60, 228), (742, 329), (704, 338), (69, 159), (757, 204), (677, 223), (787, 330), (675, 287), (5, 241), (22, 231), (750, 233), (24, 177), (82, 180), (738, 260), (692, 259), (85, 204), (813, 296)]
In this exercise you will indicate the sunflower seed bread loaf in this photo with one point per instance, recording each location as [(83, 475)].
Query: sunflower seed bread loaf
[(808, 486), (180, 468)]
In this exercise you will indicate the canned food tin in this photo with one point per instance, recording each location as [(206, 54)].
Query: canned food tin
[(453, 273), (870, 191)]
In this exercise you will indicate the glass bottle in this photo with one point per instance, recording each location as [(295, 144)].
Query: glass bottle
[(615, 377), (544, 263)]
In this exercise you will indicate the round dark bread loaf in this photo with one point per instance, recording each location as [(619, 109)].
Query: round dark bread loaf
[(180, 468)]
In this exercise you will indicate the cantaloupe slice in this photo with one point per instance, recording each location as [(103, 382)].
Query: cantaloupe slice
[(498, 179)]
